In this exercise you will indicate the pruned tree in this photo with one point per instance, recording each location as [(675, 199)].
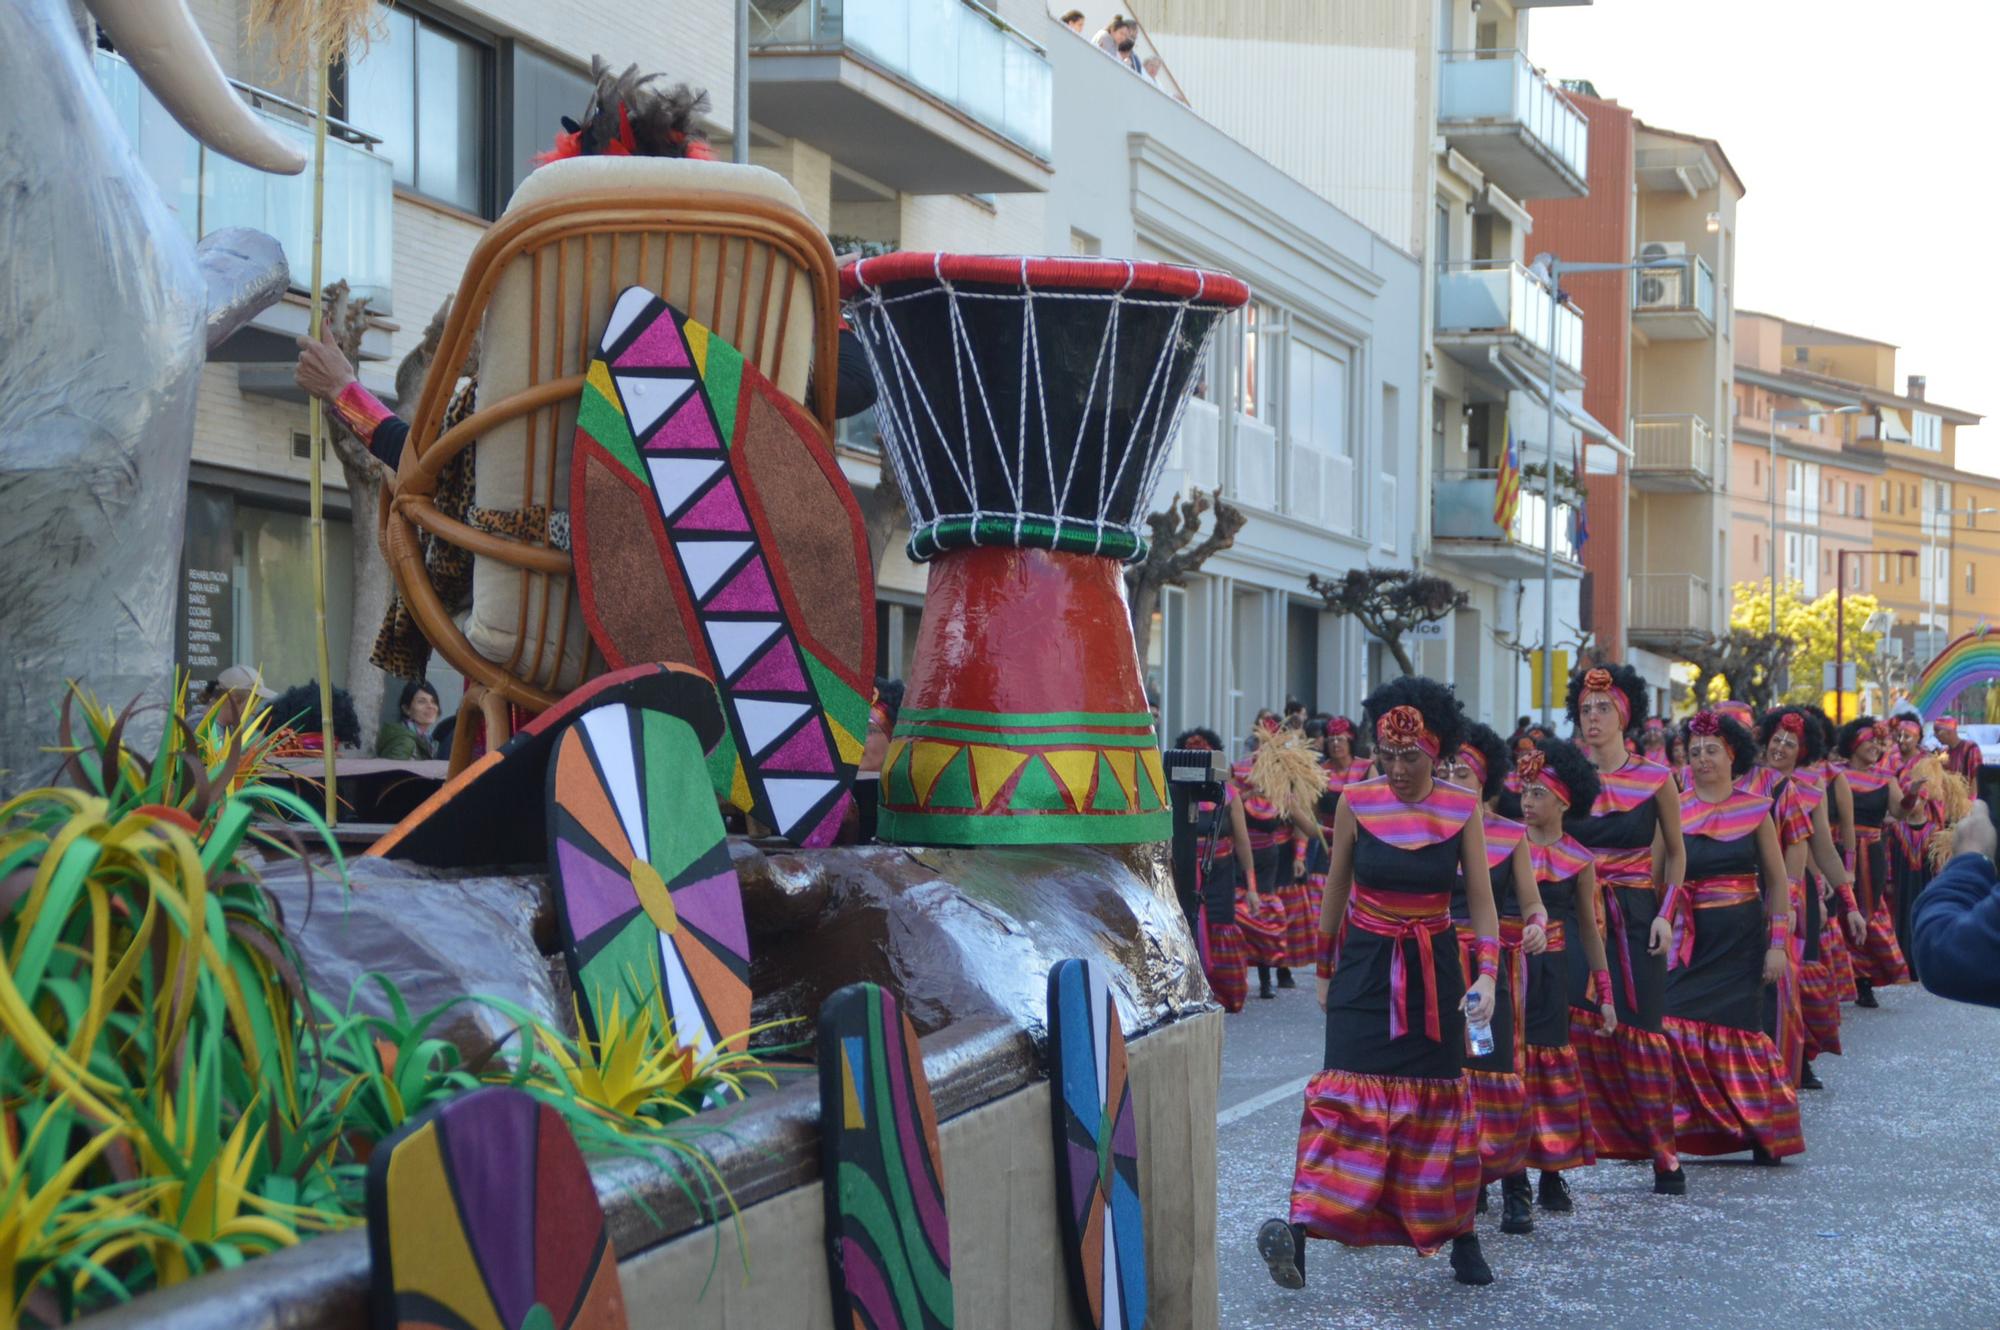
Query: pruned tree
[(1747, 662), (1178, 550), (1390, 603)]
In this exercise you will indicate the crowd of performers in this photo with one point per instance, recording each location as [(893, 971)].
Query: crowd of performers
[(1661, 951)]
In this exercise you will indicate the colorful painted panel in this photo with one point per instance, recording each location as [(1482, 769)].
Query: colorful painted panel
[(482, 1216), (887, 1242), (693, 473), (1097, 1149), (491, 812), (646, 895)]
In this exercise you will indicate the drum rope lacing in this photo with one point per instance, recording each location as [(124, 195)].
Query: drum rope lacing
[(899, 383)]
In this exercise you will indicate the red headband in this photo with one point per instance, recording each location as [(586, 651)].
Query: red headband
[(1910, 723), (1404, 727), (1534, 769), (1475, 759), (1598, 680), (1338, 727), (1708, 725)]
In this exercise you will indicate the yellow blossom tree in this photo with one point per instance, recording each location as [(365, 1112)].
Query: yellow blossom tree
[(1810, 625)]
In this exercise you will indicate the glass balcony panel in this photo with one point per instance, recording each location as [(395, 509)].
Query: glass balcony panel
[(1462, 509), (1502, 86), (1507, 299)]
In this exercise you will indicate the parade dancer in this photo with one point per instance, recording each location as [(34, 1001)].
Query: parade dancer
[(1806, 1018), (1388, 1149), (1228, 872), (1280, 785), (1634, 824), (1335, 737), (1878, 962), (1835, 947), (1732, 926), (1499, 1096), (1570, 972)]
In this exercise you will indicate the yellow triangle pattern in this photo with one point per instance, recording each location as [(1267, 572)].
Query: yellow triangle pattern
[(892, 755), (849, 746), (926, 762), (1124, 765), (1155, 772), (850, 1103), (600, 379), (739, 789), (1074, 769), (994, 767), (697, 346)]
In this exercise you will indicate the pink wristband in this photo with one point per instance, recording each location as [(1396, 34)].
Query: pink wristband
[(360, 411)]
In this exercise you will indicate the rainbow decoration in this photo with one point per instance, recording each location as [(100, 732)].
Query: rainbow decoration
[(1973, 658)]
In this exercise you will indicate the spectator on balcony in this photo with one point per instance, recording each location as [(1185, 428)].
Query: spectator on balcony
[(1119, 39), (1543, 271), (1073, 20)]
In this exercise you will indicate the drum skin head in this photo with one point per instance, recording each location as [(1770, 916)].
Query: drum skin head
[(712, 527), (481, 1212)]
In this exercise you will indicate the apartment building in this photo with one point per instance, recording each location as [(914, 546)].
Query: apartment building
[(1474, 135), (1659, 361), (1932, 533)]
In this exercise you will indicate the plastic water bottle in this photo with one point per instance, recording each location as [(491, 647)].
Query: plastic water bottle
[(1478, 1034)]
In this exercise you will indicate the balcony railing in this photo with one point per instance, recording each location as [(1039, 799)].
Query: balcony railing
[(960, 52), (1671, 605), (1462, 509), (1501, 88), (208, 191), (1673, 445), (1505, 298), (1674, 289)]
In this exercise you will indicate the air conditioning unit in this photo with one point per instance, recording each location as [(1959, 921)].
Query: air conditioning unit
[(1660, 288)]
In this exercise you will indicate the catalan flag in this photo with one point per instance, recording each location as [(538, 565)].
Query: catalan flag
[(1507, 485)]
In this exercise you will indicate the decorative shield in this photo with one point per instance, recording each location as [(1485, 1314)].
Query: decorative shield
[(481, 1213), (1097, 1149)]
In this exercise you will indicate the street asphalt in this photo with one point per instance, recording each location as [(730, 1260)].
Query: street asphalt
[(1890, 1218)]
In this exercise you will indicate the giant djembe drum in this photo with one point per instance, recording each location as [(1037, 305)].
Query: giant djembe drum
[(1026, 406)]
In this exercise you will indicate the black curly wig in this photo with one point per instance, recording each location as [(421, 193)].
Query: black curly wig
[(889, 694), (1573, 768), (299, 708), (1624, 678), (1493, 749), (1817, 717), (1812, 740), (1742, 744), (1852, 733), (1432, 699), (1207, 736)]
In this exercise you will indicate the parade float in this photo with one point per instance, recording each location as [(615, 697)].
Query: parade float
[(621, 1026)]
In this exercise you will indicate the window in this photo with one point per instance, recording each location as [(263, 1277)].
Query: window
[(1756, 547), (1318, 401), (1861, 501), (543, 91), (1970, 581), (425, 91), (1885, 496), (1757, 472), (1902, 501), (1926, 431), (1255, 396)]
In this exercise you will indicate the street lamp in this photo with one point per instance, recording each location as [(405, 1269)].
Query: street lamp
[(1552, 270), (1771, 436), (1930, 568), (1840, 622)]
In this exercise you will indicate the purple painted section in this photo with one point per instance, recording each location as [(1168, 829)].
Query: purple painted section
[(715, 906), (592, 894), (659, 347), (1082, 1180), (689, 427), (1124, 1132), (718, 510), (490, 1140), (910, 1131), (777, 672), (866, 1286), (804, 751), (829, 826), (749, 590)]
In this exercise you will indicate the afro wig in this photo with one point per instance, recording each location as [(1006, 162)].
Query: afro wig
[(1433, 701), (1492, 749), (1624, 678), (1852, 733), (1186, 738), (1742, 743), (1573, 769), (1812, 740)]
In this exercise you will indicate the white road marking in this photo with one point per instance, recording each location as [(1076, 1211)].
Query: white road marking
[(1258, 1103)]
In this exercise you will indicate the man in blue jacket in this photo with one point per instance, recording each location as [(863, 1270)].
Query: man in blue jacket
[(1955, 927)]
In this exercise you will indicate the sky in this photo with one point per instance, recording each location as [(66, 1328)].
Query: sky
[(1866, 137)]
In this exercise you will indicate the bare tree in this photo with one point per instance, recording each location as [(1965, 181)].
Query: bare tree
[(1390, 603), (1577, 641), (1748, 663), (1177, 551)]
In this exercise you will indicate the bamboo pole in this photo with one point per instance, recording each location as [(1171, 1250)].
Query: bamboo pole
[(318, 435)]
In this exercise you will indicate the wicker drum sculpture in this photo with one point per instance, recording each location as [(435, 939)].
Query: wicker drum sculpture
[(1026, 405)]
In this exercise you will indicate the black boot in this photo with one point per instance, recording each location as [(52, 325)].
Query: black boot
[(1865, 994), (1517, 1211), (1670, 1184), (1485, 1203), (1283, 1247), (1809, 1079), (1764, 1158), (1554, 1195), (1285, 977), (1468, 1263), (1264, 989)]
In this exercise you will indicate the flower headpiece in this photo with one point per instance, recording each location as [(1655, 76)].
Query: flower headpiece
[(1597, 679), (1403, 727), (1708, 725), (1534, 769), (1339, 726), (1793, 723)]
